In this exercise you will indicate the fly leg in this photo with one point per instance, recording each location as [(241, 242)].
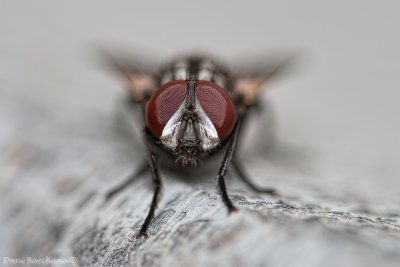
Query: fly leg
[(144, 167), (237, 163), (242, 175), (224, 167), (157, 184)]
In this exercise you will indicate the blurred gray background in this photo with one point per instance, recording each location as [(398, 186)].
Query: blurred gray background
[(337, 113)]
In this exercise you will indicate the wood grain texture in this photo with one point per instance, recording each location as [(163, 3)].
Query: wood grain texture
[(55, 172)]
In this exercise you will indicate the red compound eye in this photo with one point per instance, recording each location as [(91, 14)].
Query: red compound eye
[(218, 106), (163, 104)]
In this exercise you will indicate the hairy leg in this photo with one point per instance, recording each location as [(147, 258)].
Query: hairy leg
[(224, 167), (157, 185)]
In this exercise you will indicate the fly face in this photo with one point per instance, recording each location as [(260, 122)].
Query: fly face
[(190, 117), (193, 107)]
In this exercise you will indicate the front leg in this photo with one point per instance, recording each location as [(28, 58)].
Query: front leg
[(224, 167), (156, 181), (245, 109)]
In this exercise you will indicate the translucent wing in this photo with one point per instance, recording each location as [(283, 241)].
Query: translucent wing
[(251, 74), (138, 70)]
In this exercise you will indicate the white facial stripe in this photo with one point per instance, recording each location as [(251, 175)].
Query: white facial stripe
[(208, 133), (169, 136)]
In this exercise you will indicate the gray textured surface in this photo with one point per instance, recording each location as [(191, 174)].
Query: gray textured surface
[(335, 159), (53, 205)]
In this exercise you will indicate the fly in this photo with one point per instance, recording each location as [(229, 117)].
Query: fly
[(193, 108)]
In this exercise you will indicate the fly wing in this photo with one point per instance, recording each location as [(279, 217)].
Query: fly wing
[(138, 70), (250, 75)]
